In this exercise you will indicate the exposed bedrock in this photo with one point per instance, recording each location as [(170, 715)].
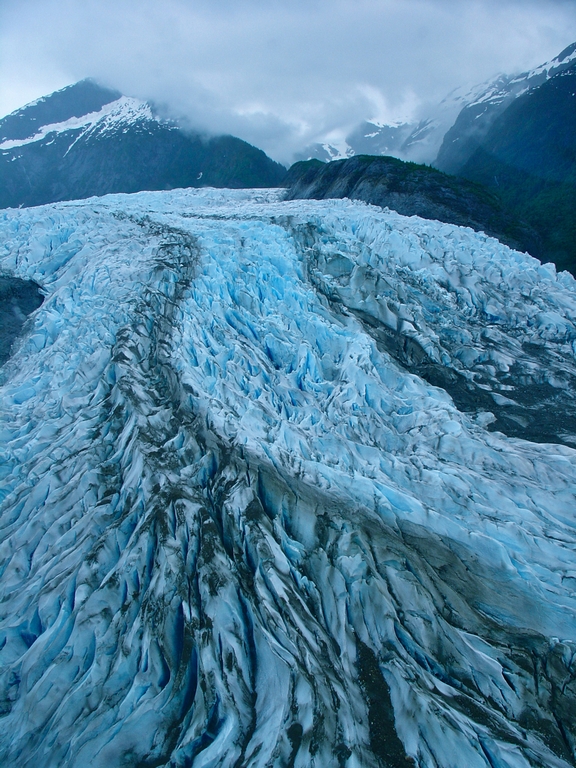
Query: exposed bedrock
[(18, 298)]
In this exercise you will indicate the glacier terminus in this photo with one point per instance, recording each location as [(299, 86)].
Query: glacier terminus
[(285, 485)]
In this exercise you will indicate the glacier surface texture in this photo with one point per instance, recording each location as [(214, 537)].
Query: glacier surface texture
[(284, 484)]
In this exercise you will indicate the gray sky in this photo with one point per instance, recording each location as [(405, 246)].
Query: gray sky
[(278, 73)]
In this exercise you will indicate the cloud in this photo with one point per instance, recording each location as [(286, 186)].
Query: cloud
[(278, 73)]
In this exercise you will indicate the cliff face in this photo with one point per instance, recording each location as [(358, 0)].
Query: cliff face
[(412, 190)]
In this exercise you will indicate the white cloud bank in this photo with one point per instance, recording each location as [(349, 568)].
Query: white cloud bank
[(278, 73)]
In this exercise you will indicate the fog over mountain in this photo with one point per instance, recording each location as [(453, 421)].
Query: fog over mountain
[(280, 75)]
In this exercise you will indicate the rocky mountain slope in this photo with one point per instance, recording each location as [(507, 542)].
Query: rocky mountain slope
[(241, 522), (412, 190), (87, 140)]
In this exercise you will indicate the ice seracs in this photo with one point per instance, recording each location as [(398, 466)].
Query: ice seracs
[(241, 523)]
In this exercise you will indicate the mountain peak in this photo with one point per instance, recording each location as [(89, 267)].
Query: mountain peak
[(567, 53), (76, 100)]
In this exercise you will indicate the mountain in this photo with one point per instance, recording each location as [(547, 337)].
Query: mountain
[(479, 114), (273, 490), (412, 190), (370, 138), (450, 132), (528, 157), (414, 141), (87, 140)]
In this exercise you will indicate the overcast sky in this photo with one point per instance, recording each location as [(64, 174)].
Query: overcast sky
[(278, 73)]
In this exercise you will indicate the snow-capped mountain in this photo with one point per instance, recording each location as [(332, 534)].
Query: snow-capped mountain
[(487, 103), (111, 112), (87, 140), (526, 155), (446, 136), (418, 142), (369, 138), (122, 114), (266, 493)]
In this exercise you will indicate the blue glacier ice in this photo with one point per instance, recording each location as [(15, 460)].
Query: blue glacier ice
[(284, 484)]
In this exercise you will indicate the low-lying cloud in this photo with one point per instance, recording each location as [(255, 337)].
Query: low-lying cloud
[(278, 73)]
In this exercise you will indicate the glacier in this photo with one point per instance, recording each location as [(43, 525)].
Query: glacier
[(284, 484)]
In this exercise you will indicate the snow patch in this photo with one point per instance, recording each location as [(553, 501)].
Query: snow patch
[(110, 118)]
